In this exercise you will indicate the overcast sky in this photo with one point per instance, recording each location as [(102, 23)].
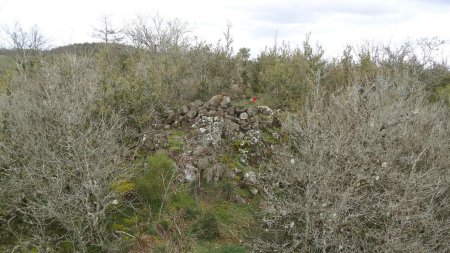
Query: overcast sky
[(255, 23)]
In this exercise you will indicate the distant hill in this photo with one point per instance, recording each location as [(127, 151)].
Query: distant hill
[(86, 48)]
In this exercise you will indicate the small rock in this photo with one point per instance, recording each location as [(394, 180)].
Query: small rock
[(243, 116), (216, 100), (230, 110), (292, 161), (254, 191), (170, 116), (166, 127), (230, 125), (192, 113), (202, 130), (198, 102), (225, 101), (250, 177), (190, 173), (184, 109)]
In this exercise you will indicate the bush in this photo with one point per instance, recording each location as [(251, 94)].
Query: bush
[(57, 162), (206, 227), (371, 174), (153, 185)]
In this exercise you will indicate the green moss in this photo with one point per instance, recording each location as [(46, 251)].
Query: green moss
[(175, 140), (123, 187)]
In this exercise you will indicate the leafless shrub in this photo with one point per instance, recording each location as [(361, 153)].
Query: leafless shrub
[(370, 174), (156, 33), (57, 161)]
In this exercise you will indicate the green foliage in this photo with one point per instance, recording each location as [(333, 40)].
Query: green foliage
[(175, 140), (158, 171), (206, 227), (182, 199), (443, 93)]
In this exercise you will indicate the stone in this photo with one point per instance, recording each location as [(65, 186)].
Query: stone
[(245, 126), (243, 116), (230, 110), (254, 191), (198, 103), (225, 101), (211, 113), (192, 113), (292, 161), (190, 173), (265, 110), (250, 177), (171, 115), (231, 126), (185, 109), (216, 100), (166, 127), (200, 150)]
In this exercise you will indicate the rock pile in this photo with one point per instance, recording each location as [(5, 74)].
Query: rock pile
[(222, 115)]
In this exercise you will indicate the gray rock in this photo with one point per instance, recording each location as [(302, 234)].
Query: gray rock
[(254, 191), (250, 177), (225, 101), (216, 100), (192, 113), (243, 116), (171, 116), (198, 103), (231, 126), (185, 109), (230, 110), (190, 173)]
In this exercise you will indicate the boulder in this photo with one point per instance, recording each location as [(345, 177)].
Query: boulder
[(216, 100), (171, 116), (225, 101)]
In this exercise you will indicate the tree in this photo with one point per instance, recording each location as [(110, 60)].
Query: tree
[(157, 33), (107, 32), (25, 43)]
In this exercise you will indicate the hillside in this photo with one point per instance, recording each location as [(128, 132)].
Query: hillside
[(195, 148)]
